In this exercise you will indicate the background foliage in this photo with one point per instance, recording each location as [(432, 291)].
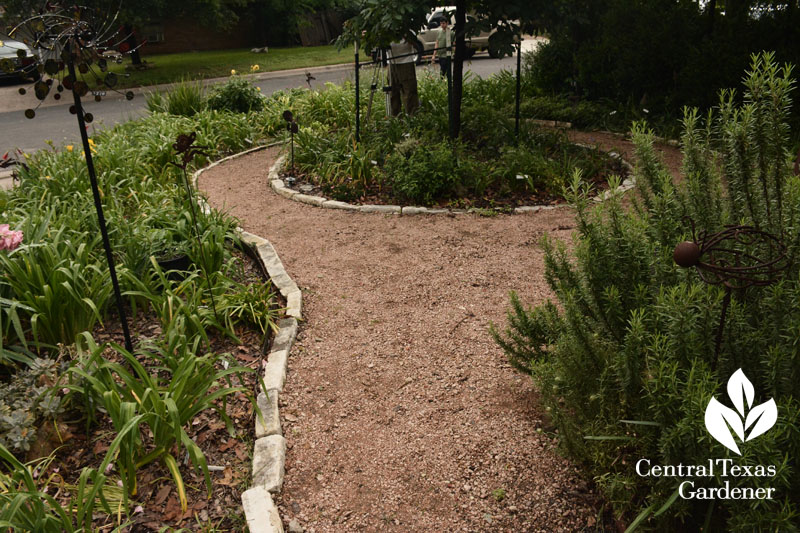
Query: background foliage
[(659, 55)]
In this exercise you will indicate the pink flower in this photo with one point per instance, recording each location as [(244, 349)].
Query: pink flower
[(9, 239)]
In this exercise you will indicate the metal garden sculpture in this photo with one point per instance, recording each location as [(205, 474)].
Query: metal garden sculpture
[(71, 48), (737, 257), (184, 146)]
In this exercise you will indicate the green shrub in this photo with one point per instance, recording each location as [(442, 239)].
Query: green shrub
[(237, 95), (660, 56), (487, 128), (184, 99), (421, 174), (626, 360), (253, 304), (581, 114), (60, 283)]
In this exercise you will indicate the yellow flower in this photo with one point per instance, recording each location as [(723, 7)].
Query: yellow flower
[(254, 68), (259, 89), (233, 72), (91, 141), (48, 178), (68, 147)]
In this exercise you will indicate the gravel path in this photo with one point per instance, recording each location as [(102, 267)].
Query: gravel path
[(401, 414)]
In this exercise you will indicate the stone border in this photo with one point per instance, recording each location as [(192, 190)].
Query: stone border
[(279, 187), (269, 452)]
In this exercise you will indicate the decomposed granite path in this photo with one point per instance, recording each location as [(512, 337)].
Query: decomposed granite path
[(400, 412)]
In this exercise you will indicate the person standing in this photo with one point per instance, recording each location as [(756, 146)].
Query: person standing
[(402, 78), (444, 45)]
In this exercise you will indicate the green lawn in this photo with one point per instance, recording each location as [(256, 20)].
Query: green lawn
[(170, 68)]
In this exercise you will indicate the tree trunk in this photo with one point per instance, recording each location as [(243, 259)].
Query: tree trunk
[(133, 45), (711, 9), (458, 67)]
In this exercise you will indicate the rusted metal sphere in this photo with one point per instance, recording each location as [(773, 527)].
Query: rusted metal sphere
[(686, 254)]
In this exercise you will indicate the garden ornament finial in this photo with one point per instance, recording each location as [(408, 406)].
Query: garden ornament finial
[(737, 257)]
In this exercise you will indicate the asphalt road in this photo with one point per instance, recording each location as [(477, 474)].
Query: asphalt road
[(55, 123)]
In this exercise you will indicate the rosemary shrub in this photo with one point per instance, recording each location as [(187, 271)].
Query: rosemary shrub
[(625, 360)]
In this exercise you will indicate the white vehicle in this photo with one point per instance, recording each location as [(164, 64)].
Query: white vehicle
[(427, 35), (16, 59)]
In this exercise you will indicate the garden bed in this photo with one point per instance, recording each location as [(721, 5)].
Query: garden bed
[(96, 435), (409, 160), (501, 199), (65, 448)]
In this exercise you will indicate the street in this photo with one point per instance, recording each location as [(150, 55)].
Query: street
[(55, 123)]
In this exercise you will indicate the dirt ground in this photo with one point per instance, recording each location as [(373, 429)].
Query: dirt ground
[(400, 412)]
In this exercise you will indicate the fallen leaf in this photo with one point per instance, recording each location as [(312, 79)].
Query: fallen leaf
[(202, 504), (162, 494), (241, 452), (100, 447), (173, 509), (202, 437), (227, 477), (228, 445)]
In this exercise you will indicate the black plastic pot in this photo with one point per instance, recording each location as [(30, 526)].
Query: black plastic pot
[(179, 264)]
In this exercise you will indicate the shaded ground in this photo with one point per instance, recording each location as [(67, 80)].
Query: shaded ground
[(400, 412)]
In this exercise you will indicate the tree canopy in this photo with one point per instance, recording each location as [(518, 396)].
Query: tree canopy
[(217, 13)]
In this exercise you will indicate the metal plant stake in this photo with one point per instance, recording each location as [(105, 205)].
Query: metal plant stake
[(186, 148), (292, 128), (71, 45), (734, 259)]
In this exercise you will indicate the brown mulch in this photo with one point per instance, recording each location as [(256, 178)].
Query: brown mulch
[(400, 412)]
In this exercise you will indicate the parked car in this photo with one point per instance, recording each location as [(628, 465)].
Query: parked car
[(16, 59), (476, 42)]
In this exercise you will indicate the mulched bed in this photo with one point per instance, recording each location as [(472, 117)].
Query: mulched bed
[(505, 201), (156, 505)]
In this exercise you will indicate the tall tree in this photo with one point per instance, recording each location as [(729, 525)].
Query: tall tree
[(382, 21)]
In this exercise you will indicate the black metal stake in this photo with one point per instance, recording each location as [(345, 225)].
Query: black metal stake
[(358, 114), (200, 243), (99, 208), (451, 126), (726, 301), (516, 112), (291, 131)]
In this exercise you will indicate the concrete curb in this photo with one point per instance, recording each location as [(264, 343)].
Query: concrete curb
[(280, 188), (269, 451), (15, 102)]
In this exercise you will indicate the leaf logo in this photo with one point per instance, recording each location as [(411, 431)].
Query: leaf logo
[(720, 420)]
